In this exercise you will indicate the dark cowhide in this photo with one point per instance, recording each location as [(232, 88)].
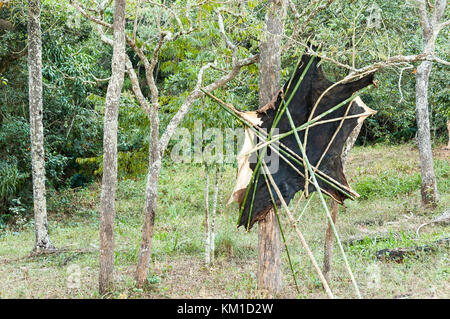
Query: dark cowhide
[(286, 178)]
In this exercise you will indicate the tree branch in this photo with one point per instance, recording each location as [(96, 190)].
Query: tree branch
[(313, 14), (196, 93), (438, 13), (423, 17), (228, 43), (439, 60), (77, 6), (136, 87), (149, 68)]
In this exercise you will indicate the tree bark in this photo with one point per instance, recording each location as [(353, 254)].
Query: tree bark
[(269, 254), (269, 236), (145, 251), (42, 241), (210, 215), (329, 243), (151, 192), (207, 226), (431, 27), (270, 56), (109, 180), (212, 238), (429, 191)]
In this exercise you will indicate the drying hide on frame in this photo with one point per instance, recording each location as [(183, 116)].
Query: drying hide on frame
[(287, 179)]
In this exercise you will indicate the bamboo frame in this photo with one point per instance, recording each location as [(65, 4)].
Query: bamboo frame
[(299, 233), (274, 143), (314, 110), (330, 220)]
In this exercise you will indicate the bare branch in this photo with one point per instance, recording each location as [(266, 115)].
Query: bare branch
[(439, 60), (175, 15), (77, 6), (136, 87), (423, 17), (200, 74), (438, 13), (103, 36), (400, 82), (136, 13), (294, 10), (195, 94), (313, 14), (150, 65), (390, 62), (229, 44), (103, 5)]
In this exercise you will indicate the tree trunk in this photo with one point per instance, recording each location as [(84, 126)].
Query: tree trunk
[(212, 238), (431, 26), (269, 238), (329, 243), (428, 186), (151, 196), (210, 215), (42, 241), (149, 222), (207, 226), (109, 180), (269, 254)]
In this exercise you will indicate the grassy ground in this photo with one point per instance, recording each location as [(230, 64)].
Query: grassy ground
[(386, 216)]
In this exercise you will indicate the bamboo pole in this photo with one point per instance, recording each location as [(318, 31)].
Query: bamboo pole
[(299, 233), (270, 142), (330, 219), (292, 155)]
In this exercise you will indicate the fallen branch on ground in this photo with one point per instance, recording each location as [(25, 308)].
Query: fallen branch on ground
[(398, 254), (444, 218), (59, 251)]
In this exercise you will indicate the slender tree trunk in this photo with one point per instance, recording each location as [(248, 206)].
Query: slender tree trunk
[(329, 243), (108, 193), (151, 196), (329, 236), (212, 245), (431, 26), (207, 226), (269, 236), (429, 191), (269, 254), (210, 215), (149, 223), (42, 241)]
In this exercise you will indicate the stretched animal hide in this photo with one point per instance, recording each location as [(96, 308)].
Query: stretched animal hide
[(286, 178)]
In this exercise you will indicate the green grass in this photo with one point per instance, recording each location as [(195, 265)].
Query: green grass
[(399, 181), (386, 216)]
